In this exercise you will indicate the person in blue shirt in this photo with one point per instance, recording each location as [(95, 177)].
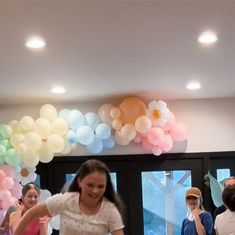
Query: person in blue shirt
[(198, 221)]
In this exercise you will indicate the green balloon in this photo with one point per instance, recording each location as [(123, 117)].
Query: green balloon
[(2, 150), (12, 158), (5, 131), (2, 160), (6, 143)]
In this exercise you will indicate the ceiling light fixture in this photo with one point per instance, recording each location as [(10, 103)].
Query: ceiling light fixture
[(194, 85), (58, 90), (208, 38), (35, 43)]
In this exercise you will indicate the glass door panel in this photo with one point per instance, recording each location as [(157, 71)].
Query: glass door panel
[(163, 200)]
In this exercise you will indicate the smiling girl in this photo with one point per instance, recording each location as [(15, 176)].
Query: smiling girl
[(89, 207)]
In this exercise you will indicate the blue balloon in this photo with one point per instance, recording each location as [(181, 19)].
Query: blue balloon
[(109, 143), (72, 137), (75, 119), (92, 120), (63, 113), (96, 146), (85, 135), (103, 131)]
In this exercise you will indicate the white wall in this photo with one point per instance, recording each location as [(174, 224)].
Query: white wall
[(210, 123)]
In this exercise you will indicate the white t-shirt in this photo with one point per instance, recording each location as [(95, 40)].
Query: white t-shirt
[(225, 223), (74, 222)]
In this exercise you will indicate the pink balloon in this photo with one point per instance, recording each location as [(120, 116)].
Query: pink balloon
[(138, 138), (167, 144), (170, 122), (7, 183), (156, 151), (179, 131), (9, 171), (2, 175), (16, 190), (146, 145), (155, 135)]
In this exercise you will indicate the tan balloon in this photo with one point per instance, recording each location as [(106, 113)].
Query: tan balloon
[(131, 108), (128, 132), (121, 140), (117, 124), (115, 113)]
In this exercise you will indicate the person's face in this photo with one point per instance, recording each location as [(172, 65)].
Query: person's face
[(30, 199), (230, 182), (192, 202), (93, 186)]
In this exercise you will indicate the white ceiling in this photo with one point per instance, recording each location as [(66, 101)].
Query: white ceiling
[(106, 49)]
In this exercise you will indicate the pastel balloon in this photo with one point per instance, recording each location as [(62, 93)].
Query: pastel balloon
[(12, 158), (7, 183), (27, 123), (128, 132), (143, 124), (120, 139), (30, 159), (96, 146), (170, 122), (16, 139), (42, 127), (131, 108), (156, 151), (44, 153), (67, 147), (21, 148), (155, 135), (117, 124), (16, 190), (146, 145), (2, 150), (85, 135), (48, 112), (75, 119), (109, 143), (5, 131), (63, 113), (104, 113), (179, 131), (103, 131), (115, 113), (92, 120), (72, 137), (59, 126), (55, 143), (167, 143), (33, 141)]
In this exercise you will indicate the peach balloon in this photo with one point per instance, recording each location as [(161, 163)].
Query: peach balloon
[(131, 108), (179, 131)]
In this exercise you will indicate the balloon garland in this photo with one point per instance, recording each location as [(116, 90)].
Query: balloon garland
[(25, 142)]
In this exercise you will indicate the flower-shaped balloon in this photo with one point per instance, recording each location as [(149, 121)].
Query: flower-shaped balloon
[(158, 112), (26, 175)]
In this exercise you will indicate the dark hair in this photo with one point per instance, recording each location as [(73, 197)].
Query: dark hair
[(29, 186), (228, 197), (89, 167)]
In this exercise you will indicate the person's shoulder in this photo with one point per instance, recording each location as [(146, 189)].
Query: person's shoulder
[(108, 204), (206, 214)]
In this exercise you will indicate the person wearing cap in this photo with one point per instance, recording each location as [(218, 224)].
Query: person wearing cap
[(198, 221), (224, 223), (228, 182)]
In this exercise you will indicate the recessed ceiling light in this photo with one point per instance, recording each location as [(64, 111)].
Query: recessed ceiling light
[(194, 85), (58, 90), (207, 38), (35, 43)]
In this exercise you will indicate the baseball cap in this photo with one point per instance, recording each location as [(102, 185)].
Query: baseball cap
[(194, 191)]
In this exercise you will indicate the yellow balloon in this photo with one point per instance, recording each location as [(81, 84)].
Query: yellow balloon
[(49, 112), (33, 141), (55, 143)]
